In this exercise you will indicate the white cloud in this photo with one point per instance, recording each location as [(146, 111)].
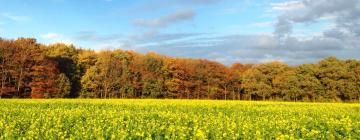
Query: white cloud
[(229, 11), (269, 58), (172, 18), (289, 5), (51, 36), (96, 37), (344, 14), (14, 17), (264, 24)]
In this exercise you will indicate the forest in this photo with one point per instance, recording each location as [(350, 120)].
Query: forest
[(33, 70)]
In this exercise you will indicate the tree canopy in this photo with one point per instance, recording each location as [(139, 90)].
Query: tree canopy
[(32, 70)]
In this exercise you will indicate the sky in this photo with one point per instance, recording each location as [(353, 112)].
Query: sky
[(227, 31)]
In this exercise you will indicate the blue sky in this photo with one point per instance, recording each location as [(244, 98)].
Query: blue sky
[(228, 31)]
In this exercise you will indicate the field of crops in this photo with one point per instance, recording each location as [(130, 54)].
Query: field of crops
[(176, 119)]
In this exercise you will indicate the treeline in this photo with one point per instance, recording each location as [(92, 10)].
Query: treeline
[(32, 70)]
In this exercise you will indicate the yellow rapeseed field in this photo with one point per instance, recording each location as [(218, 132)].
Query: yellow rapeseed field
[(176, 119)]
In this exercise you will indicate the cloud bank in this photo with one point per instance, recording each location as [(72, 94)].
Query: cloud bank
[(172, 18), (339, 34), (341, 38)]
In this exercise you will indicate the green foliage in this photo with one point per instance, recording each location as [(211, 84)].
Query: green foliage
[(63, 85), (152, 88)]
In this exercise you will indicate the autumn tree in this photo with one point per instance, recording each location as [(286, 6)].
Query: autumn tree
[(331, 74), (357, 81), (6, 59), (86, 59), (307, 75), (43, 79), (67, 59), (27, 52), (30, 69), (349, 86), (153, 82), (255, 84), (288, 85), (106, 78), (175, 78), (238, 70), (259, 80)]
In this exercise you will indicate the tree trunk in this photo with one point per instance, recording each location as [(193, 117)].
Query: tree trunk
[(2, 87), (225, 92), (20, 80), (106, 92), (3, 79), (208, 88)]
